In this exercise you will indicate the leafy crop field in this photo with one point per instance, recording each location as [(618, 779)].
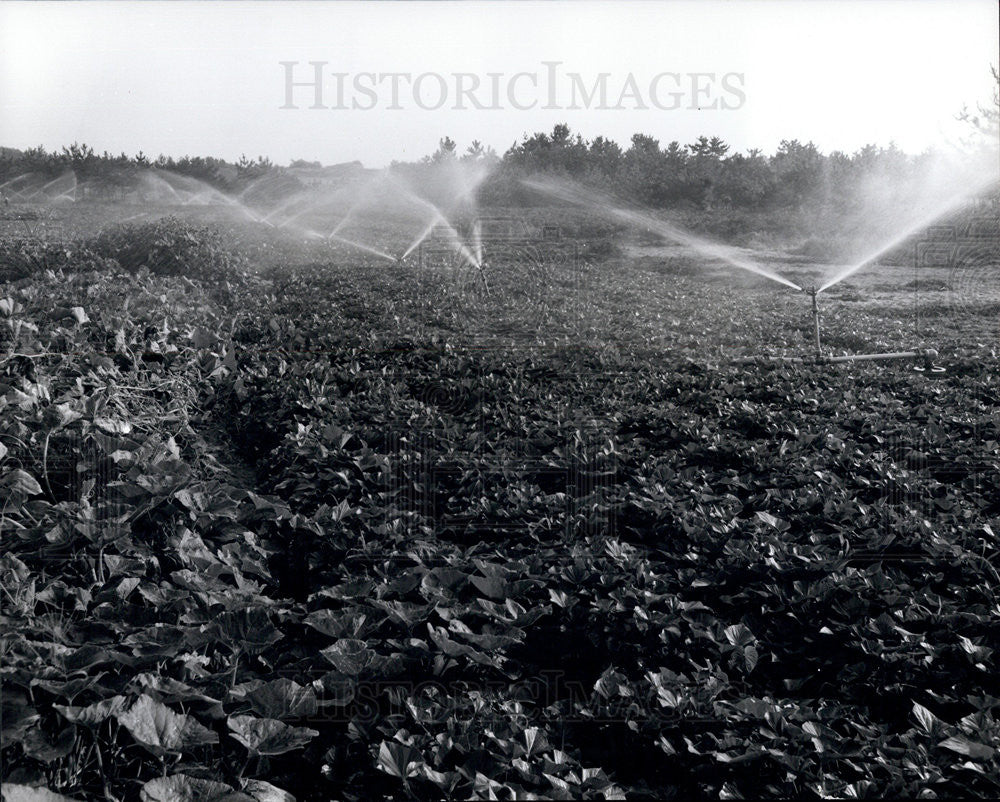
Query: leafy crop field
[(282, 522)]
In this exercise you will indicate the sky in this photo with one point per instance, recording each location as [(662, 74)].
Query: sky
[(203, 78)]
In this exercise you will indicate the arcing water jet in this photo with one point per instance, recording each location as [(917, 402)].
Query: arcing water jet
[(333, 235), (205, 193), (950, 204), (711, 249), (438, 217), (68, 185), (16, 180), (477, 240), (420, 237)]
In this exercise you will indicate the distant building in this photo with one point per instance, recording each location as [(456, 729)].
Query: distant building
[(334, 175)]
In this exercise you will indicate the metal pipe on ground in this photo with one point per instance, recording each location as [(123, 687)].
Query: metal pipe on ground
[(926, 354)]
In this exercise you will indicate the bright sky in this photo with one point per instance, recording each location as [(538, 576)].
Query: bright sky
[(205, 78)]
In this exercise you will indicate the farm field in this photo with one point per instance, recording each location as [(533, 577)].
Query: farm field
[(285, 520)]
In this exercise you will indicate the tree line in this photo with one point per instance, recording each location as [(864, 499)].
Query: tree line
[(109, 174), (703, 174)]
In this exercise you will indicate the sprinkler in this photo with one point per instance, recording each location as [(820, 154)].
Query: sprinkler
[(927, 355), (483, 264)]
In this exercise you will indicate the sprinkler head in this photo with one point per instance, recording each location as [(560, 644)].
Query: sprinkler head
[(929, 355)]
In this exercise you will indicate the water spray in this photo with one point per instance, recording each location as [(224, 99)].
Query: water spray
[(438, 219), (589, 198), (333, 235), (477, 240), (927, 355), (914, 226)]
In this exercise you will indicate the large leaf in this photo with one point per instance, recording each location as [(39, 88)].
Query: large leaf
[(249, 630), (161, 730), (268, 736), (535, 741), (21, 482), (265, 792), (772, 521), (94, 714), (181, 788), (169, 690), (964, 746), (398, 759), (18, 715), (349, 655), (13, 792), (925, 717), (493, 586), (40, 745), (113, 426), (336, 624), (283, 698), (739, 635)]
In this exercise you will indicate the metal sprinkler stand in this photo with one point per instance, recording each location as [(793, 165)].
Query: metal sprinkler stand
[(928, 355), (815, 310), (481, 267)]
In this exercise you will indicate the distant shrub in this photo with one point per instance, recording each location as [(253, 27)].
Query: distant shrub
[(172, 247), (731, 225), (22, 257), (603, 248), (815, 249), (8, 213)]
